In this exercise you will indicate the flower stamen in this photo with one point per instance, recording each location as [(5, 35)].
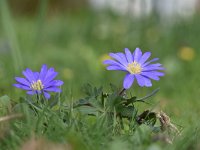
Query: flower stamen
[(134, 68), (37, 86)]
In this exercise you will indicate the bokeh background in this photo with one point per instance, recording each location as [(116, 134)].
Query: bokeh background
[(75, 37)]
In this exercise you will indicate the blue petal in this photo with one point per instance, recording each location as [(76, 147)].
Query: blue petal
[(36, 75), (128, 81), (144, 57), (115, 68), (153, 74), (118, 58), (38, 92), (129, 56), (31, 92), (147, 82), (123, 57), (150, 75), (140, 80), (151, 68), (53, 89), (153, 60), (137, 54), (22, 81), (114, 63), (154, 65), (22, 86), (51, 74), (43, 72), (54, 83), (46, 95), (29, 75)]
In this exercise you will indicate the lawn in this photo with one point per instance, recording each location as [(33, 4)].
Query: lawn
[(76, 44)]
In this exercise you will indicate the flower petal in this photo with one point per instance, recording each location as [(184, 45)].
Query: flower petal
[(129, 55), (153, 74), (128, 81), (153, 60), (29, 75), (144, 57), (43, 72), (24, 87), (115, 68), (137, 54), (54, 83), (151, 68), (140, 80), (118, 58), (22, 81), (51, 74), (154, 65), (31, 92), (123, 57), (150, 75), (36, 75), (47, 95), (147, 82), (114, 63), (53, 89)]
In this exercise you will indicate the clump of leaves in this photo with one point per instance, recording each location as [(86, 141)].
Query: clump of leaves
[(116, 106)]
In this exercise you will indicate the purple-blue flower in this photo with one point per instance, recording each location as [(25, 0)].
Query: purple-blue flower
[(136, 66), (39, 82)]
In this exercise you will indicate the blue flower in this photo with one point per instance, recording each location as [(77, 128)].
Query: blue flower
[(136, 66), (39, 82)]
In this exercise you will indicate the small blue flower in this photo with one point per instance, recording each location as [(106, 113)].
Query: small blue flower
[(39, 82), (136, 66)]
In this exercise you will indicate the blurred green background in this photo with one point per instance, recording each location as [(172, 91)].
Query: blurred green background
[(75, 37)]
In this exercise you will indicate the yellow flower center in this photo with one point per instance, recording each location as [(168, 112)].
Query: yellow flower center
[(134, 68), (37, 86)]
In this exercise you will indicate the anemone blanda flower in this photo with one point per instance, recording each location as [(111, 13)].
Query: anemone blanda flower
[(136, 66), (39, 82)]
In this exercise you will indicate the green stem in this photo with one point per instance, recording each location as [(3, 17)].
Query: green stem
[(122, 92)]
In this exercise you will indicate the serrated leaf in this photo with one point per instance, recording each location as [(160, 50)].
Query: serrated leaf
[(87, 89), (114, 100), (127, 111)]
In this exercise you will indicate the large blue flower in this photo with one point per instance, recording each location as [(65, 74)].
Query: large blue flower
[(136, 66), (39, 82)]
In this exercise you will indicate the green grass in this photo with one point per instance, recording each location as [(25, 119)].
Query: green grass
[(74, 44)]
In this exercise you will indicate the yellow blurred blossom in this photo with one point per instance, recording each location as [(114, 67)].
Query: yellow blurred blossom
[(67, 73), (186, 53), (104, 57)]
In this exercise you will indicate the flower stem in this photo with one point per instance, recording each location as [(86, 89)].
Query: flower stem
[(122, 92)]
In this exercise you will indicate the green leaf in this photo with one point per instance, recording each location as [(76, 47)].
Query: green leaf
[(113, 100), (127, 112), (87, 89)]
